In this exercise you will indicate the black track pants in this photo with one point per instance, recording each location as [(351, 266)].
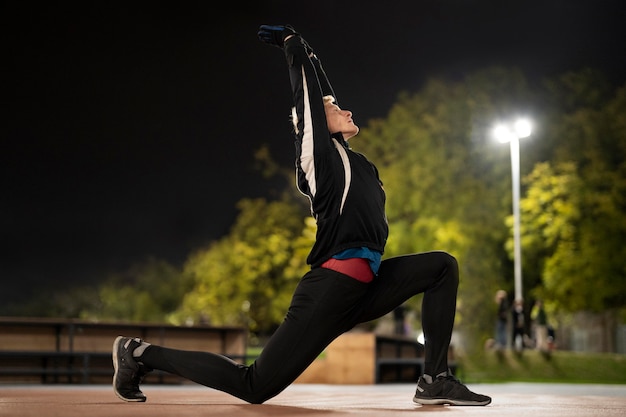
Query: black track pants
[(326, 304)]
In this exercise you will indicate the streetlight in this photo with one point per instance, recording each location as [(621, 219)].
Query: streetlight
[(512, 134)]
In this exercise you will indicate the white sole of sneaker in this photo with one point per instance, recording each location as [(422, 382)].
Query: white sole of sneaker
[(443, 401)]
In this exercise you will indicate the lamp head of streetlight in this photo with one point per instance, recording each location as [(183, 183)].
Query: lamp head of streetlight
[(521, 128)]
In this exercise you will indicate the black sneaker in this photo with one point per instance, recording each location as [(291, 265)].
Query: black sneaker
[(447, 390), (128, 372)]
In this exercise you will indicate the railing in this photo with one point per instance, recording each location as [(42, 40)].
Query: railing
[(74, 351)]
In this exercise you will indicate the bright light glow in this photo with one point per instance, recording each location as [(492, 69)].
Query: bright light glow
[(503, 133), (522, 128), (420, 338), (507, 133)]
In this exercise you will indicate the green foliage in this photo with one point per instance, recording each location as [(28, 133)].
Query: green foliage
[(247, 277), (62, 303), (573, 212), (146, 292), (550, 215), (586, 88), (573, 233)]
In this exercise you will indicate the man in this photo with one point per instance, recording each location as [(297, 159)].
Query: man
[(348, 282)]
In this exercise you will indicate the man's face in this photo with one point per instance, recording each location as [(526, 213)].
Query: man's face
[(339, 120)]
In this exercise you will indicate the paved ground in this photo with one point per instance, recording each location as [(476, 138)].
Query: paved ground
[(383, 400)]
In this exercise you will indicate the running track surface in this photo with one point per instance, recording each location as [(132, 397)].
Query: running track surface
[(311, 400)]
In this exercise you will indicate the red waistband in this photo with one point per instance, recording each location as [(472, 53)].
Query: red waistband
[(357, 268)]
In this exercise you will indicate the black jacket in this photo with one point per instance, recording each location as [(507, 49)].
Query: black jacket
[(346, 194)]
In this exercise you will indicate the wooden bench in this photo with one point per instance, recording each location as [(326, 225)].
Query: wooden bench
[(398, 359), (55, 367), (367, 358), (401, 359), (75, 351), (70, 368)]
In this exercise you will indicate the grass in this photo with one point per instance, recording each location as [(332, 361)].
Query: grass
[(252, 353), (533, 366)]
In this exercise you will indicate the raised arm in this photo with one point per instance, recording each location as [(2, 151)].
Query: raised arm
[(309, 84)]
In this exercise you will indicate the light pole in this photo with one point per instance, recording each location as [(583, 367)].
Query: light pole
[(512, 134)]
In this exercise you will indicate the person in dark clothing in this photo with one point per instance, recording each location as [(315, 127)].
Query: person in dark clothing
[(502, 317), (347, 284), (519, 325)]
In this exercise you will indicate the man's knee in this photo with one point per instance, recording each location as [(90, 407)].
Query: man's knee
[(451, 274)]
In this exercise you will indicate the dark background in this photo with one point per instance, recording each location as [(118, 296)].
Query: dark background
[(129, 127)]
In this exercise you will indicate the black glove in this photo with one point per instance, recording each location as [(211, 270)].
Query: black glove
[(275, 34)]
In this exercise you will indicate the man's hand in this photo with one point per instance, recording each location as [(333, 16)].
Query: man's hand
[(276, 34)]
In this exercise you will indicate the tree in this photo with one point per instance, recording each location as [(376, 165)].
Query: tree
[(441, 174), (550, 218), (67, 302), (148, 291), (574, 210), (247, 278)]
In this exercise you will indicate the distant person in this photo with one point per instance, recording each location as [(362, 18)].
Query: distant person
[(348, 283), (540, 326), (519, 325), (502, 319)]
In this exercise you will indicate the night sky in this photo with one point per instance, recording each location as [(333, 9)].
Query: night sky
[(130, 127)]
